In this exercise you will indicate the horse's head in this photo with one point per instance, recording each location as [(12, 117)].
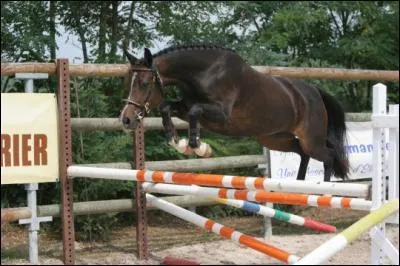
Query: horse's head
[(145, 91)]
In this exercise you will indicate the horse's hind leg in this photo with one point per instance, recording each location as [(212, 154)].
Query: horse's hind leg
[(301, 174), (314, 143), (327, 156), (287, 142)]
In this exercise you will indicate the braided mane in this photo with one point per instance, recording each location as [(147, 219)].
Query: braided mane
[(190, 47)]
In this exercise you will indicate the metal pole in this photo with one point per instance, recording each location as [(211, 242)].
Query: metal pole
[(29, 86), (267, 220), (33, 239), (65, 160), (141, 216), (34, 221)]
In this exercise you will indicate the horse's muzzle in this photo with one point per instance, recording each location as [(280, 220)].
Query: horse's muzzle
[(129, 123)]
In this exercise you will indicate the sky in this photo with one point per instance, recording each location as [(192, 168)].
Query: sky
[(70, 47)]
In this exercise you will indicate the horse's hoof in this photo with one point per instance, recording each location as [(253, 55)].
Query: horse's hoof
[(186, 150), (182, 146), (194, 143), (204, 150)]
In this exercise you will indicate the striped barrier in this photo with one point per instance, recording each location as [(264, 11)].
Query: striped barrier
[(261, 196), (340, 241), (250, 183), (279, 215), (221, 230)]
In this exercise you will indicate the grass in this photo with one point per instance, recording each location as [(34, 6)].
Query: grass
[(16, 252)]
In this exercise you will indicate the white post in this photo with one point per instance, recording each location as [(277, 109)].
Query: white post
[(29, 85), (268, 174), (378, 159), (393, 182), (28, 78), (393, 156), (33, 239), (34, 221)]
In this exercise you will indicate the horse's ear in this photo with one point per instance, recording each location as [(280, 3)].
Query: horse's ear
[(148, 57), (133, 60)]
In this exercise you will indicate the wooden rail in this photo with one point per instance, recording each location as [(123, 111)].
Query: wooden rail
[(154, 123), (121, 70)]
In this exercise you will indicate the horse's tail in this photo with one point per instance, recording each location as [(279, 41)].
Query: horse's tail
[(336, 134)]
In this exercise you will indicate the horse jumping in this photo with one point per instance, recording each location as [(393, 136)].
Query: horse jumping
[(223, 93)]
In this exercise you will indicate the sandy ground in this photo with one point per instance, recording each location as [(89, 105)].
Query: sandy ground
[(184, 241)]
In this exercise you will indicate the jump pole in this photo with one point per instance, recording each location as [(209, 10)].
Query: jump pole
[(340, 241), (279, 215), (221, 230), (250, 183), (257, 195), (261, 196)]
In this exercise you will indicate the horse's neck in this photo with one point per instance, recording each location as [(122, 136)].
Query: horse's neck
[(185, 65)]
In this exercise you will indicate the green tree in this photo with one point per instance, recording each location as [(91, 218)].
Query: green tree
[(24, 34), (343, 34)]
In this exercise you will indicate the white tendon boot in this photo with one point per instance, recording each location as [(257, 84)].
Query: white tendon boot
[(182, 146), (204, 150)]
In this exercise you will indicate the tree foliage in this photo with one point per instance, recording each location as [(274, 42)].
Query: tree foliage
[(343, 34)]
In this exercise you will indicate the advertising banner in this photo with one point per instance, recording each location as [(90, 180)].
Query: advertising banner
[(359, 148), (29, 138)]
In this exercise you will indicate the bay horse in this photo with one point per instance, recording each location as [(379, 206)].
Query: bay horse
[(223, 93)]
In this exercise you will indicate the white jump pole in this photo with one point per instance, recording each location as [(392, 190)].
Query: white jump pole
[(250, 183)]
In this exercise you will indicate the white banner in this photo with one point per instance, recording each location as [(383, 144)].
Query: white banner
[(29, 138), (359, 149)]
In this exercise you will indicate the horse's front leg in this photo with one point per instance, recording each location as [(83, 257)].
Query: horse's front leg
[(177, 108), (212, 112)]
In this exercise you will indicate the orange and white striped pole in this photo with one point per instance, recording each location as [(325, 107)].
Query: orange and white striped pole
[(221, 230), (260, 196), (227, 181), (249, 195)]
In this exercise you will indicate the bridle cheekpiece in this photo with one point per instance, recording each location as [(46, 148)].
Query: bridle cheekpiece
[(145, 109)]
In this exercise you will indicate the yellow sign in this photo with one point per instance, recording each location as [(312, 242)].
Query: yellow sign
[(29, 138)]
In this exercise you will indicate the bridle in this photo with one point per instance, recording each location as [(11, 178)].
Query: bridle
[(144, 109)]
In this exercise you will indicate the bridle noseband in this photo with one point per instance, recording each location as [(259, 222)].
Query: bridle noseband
[(145, 109)]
